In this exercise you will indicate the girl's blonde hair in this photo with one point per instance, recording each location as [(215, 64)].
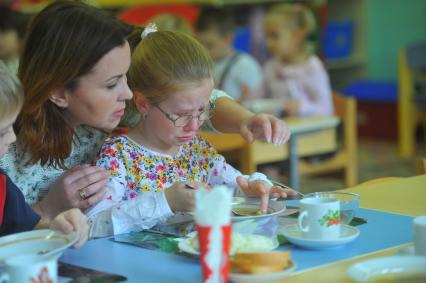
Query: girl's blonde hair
[(11, 94), (162, 63), (296, 17)]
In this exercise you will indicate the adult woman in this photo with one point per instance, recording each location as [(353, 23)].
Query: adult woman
[(73, 69)]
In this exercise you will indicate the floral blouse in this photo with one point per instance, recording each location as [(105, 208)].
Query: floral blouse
[(135, 197)]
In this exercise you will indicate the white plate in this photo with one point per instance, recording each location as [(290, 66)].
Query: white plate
[(397, 267), (294, 235), (184, 245), (35, 242), (272, 276), (277, 207)]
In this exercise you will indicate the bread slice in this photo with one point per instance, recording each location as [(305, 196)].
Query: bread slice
[(258, 263)]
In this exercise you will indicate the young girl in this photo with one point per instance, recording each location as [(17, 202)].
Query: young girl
[(15, 214), (152, 166), (294, 74)]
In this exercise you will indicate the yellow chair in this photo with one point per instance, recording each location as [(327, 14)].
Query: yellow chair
[(421, 166), (411, 65), (346, 158)]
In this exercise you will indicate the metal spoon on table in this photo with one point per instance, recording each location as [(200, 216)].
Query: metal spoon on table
[(276, 183)]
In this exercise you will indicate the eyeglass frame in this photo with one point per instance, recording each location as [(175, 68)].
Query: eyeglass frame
[(209, 112)]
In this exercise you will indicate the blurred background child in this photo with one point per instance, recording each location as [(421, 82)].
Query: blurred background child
[(13, 25), (235, 72), (172, 22), (295, 74)]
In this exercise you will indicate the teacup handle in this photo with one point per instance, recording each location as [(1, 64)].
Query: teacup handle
[(302, 215)]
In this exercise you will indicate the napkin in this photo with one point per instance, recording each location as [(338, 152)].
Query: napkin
[(213, 223)]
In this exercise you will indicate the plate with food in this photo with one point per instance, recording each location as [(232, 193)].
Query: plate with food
[(390, 269), (239, 243), (261, 266), (36, 242), (249, 208)]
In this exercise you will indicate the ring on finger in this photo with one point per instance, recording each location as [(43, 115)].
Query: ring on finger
[(82, 194)]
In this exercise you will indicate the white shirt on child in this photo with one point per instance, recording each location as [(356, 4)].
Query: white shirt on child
[(306, 82), (135, 197), (244, 71)]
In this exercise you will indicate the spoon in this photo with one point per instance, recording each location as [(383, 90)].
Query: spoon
[(276, 183)]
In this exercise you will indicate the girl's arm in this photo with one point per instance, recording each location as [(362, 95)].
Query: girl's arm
[(121, 211), (256, 184)]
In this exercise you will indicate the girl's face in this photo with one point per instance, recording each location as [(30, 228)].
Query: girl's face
[(99, 99), (282, 41), (193, 100), (7, 135)]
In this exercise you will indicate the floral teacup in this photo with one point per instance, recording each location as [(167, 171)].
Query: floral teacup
[(320, 218)]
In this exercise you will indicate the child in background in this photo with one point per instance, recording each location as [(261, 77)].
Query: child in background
[(172, 22), (15, 215), (155, 167), (295, 74), (13, 25), (236, 73)]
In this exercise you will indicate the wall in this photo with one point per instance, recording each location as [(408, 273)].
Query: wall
[(392, 24)]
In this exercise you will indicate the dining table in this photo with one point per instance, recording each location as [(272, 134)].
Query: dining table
[(388, 207)]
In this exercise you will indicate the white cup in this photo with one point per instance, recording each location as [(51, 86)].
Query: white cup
[(319, 218), (419, 225), (31, 268)]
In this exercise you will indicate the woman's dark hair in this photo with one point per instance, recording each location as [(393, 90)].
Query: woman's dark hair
[(64, 42)]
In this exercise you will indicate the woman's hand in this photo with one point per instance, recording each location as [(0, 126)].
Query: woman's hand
[(265, 127), (80, 187), (263, 190), (72, 220), (181, 197)]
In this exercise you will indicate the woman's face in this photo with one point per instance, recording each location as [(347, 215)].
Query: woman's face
[(192, 100), (99, 99)]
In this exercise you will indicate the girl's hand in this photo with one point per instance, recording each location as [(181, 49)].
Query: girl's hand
[(263, 190), (80, 187), (70, 221), (182, 198), (265, 127)]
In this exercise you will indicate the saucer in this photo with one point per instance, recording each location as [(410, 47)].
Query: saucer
[(389, 269), (36, 242), (294, 235), (274, 208)]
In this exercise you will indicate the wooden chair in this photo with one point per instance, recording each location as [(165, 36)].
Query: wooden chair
[(421, 166), (346, 157), (411, 105)]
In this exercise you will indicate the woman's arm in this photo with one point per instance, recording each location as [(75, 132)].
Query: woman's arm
[(231, 117)]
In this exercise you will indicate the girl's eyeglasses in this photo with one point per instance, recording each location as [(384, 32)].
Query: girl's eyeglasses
[(182, 121)]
